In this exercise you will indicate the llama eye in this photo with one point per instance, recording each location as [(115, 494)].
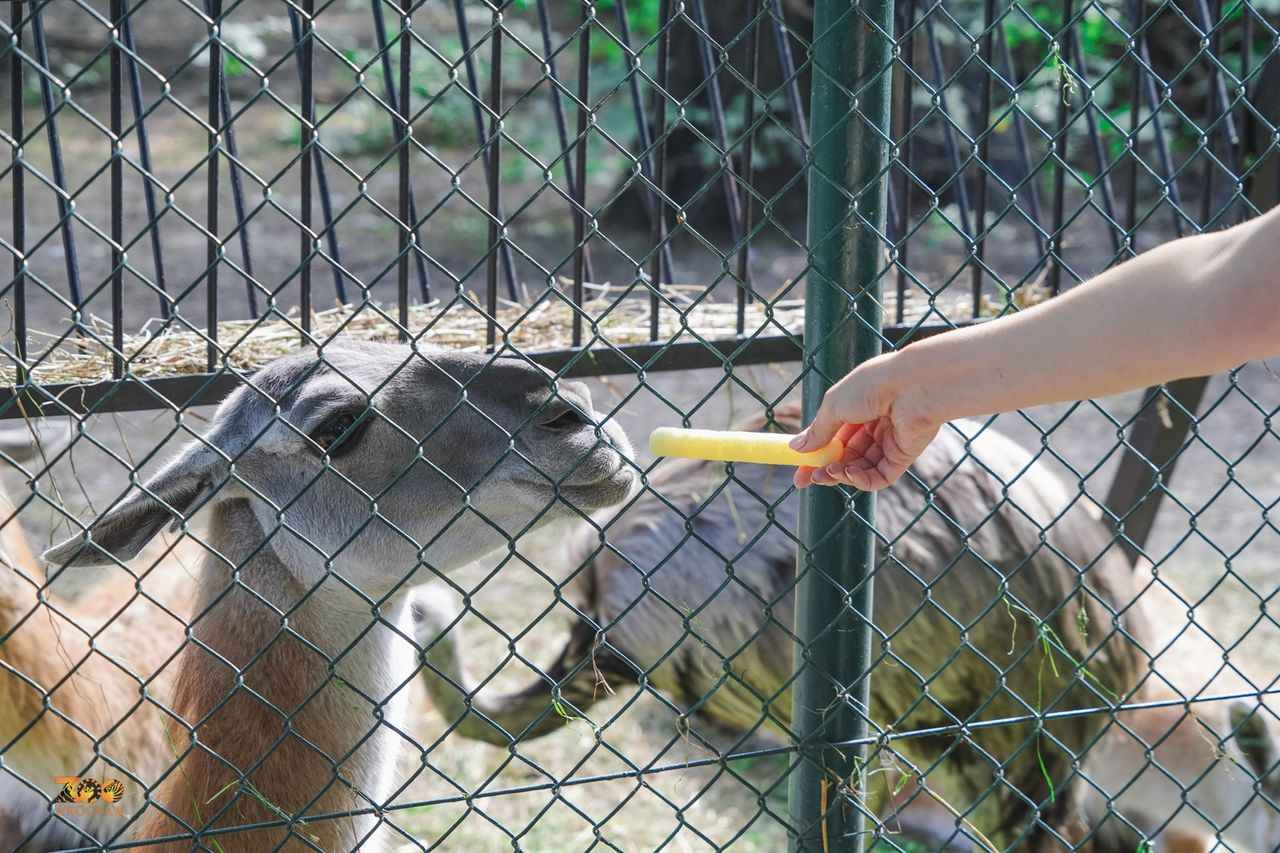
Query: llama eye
[(567, 420), (337, 434)]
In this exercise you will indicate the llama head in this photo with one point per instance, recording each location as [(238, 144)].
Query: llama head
[(1252, 748), (380, 463)]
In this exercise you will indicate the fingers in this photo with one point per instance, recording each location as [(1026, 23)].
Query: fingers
[(804, 475), (872, 459), (819, 433)]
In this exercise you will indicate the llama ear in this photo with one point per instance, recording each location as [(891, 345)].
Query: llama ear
[(168, 497), (1254, 739)]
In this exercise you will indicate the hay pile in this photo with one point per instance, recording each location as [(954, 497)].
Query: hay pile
[(611, 316)]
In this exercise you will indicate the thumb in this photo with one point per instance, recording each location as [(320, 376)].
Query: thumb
[(819, 433)]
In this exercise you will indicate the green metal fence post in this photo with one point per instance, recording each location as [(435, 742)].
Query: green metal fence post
[(847, 185)]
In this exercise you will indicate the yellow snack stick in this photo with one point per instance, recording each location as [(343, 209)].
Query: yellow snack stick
[(765, 448)]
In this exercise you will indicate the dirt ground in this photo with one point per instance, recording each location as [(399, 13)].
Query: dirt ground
[(1217, 538)]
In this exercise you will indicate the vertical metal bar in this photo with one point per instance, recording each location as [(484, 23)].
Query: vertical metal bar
[(213, 245), (658, 222), (18, 129), (984, 144), (237, 194), (1138, 14), (787, 66), (557, 108), (1217, 96), (322, 185), (497, 219), (404, 196), (228, 135), (1059, 147), (645, 160), (116, 10), (144, 156), (477, 115), (906, 152), (748, 173), (388, 79), (1135, 160), (580, 154), (307, 239), (1028, 185), (1095, 141), (70, 257), (939, 86), (715, 100), (852, 79)]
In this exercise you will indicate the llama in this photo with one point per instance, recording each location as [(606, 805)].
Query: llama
[(657, 599), (1201, 761), (335, 481), (1194, 759), (89, 658)]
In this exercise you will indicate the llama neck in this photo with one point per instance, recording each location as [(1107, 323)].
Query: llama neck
[(297, 676), (29, 635)]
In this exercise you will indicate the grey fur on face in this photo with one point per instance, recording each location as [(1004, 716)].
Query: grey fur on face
[(374, 461)]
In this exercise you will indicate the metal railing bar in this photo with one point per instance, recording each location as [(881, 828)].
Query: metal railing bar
[(1135, 161), (144, 156), (644, 142), (404, 189), (748, 173), (715, 100), (1095, 143), (1022, 144), (70, 257), (658, 222), (388, 80), (905, 111), (237, 193), (116, 11), (787, 66), (1166, 172), (938, 84), (306, 139), (482, 143), (200, 389), (497, 237), (213, 245), (1058, 147), (17, 82), (320, 173), (985, 52), (580, 156), (571, 177)]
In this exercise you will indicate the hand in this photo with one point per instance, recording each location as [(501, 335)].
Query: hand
[(882, 433)]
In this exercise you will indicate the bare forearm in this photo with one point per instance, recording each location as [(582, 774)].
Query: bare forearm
[(1191, 307)]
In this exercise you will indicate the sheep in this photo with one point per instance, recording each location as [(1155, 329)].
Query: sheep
[(692, 587), (334, 481), (89, 659)]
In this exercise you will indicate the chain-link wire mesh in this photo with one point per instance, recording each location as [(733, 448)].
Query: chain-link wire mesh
[(389, 233)]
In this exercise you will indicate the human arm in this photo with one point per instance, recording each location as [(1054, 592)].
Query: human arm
[(1190, 307)]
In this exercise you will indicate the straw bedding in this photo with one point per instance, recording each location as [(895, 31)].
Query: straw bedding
[(610, 316)]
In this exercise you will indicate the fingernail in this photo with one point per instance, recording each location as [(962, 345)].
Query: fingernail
[(798, 442)]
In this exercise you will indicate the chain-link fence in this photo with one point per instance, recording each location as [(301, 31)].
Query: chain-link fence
[(410, 585)]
